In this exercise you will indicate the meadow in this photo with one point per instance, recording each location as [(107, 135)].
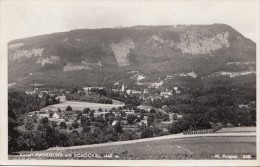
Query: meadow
[(185, 148), (76, 105)]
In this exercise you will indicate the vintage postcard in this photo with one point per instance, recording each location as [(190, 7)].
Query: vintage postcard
[(129, 83)]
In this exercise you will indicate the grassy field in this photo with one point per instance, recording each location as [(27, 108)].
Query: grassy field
[(80, 106), (186, 148), (236, 129)]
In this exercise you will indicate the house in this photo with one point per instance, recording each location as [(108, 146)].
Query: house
[(243, 106), (166, 93), (115, 122), (40, 95), (29, 92), (90, 88), (145, 91), (123, 88), (142, 122), (58, 115), (146, 108), (130, 91), (124, 122), (176, 90)]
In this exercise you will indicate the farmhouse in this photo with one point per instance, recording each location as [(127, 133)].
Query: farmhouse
[(142, 122), (58, 115), (166, 93), (146, 108)]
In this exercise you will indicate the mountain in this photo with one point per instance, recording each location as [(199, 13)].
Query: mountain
[(104, 56)]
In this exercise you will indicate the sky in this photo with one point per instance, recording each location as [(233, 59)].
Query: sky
[(25, 18)]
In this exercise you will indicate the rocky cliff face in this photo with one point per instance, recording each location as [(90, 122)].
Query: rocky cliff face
[(203, 49)]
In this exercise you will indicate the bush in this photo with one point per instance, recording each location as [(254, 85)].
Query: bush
[(150, 119), (86, 129), (152, 111), (166, 117), (131, 118), (53, 124), (140, 118), (29, 124), (63, 125), (44, 121), (157, 131), (118, 127), (123, 114), (146, 132), (127, 135), (69, 108), (75, 125), (86, 110), (174, 117), (51, 114)]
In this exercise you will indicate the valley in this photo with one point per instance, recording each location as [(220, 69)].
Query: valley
[(141, 92)]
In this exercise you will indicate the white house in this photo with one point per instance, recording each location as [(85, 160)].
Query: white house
[(56, 115), (115, 122), (166, 93)]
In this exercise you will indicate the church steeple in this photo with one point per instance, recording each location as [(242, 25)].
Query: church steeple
[(123, 88), (100, 65)]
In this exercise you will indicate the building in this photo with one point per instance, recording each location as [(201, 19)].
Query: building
[(166, 94), (123, 88), (58, 115), (90, 88), (29, 92), (177, 90)]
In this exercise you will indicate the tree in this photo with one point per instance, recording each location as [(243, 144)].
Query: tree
[(86, 110), (157, 131), (92, 113), (63, 125), (59, 110), (159, 115), (123, 114), (150, 119), (54, 124), (118, 127), (147, 132), (45, 121), (127, 135), (85, 122), (69, 108), (131, 118), (79, 115), (174, 117), (100, 110), (166, 117), (74, 125), (29, 124), (86, 129), (140, 118), (51, 114), (152, 111)]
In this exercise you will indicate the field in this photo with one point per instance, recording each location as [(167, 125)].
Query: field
[(81, 105), (237, 129), (185, 148)]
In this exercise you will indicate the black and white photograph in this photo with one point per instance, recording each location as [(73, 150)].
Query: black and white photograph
[(110, 82)]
